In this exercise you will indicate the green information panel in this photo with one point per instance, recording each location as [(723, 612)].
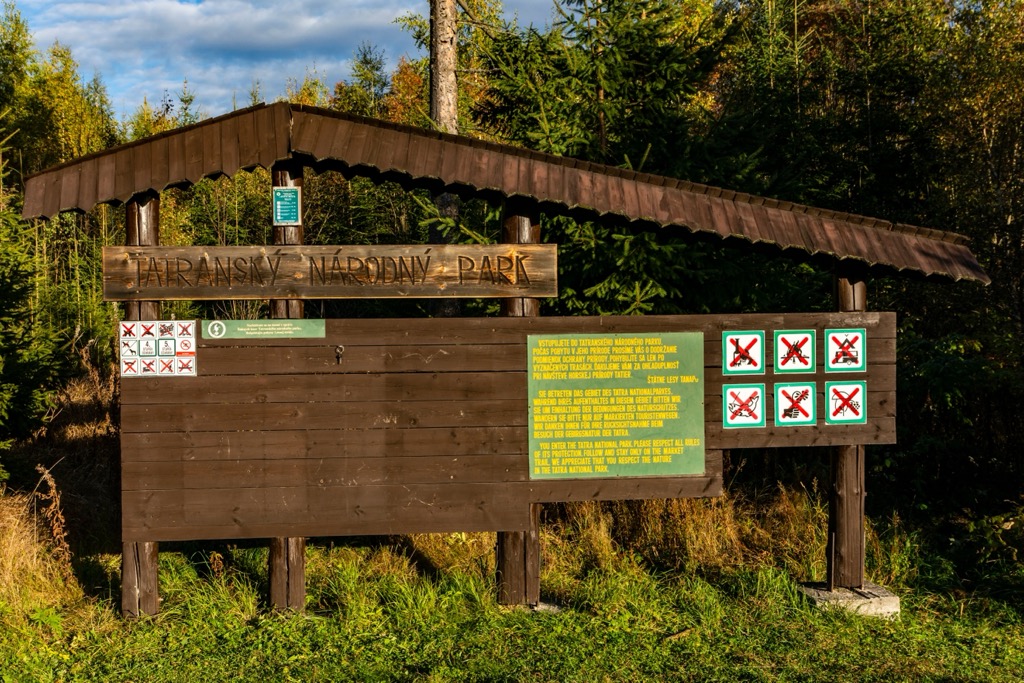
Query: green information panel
[(616, 405), (287, 205), (262, 329)]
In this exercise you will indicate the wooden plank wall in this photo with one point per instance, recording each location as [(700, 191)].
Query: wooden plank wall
[(412, 425)]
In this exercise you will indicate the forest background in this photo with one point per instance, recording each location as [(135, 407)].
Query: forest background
[(907, 110)]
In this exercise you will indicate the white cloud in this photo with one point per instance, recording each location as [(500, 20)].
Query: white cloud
[(220, 46), (145, 48)]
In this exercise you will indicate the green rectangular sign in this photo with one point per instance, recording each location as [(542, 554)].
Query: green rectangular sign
[(263, 329), (616, 405), (287, 206)]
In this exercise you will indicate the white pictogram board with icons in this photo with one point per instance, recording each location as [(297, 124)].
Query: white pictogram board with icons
[(154, 348)]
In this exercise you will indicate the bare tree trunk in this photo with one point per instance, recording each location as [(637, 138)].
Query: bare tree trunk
[(444, 91), (444, 110)]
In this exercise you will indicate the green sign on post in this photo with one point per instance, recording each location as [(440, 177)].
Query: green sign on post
[(616, 405), (287, 205)]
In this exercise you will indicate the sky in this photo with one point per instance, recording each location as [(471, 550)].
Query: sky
[(224, 48)]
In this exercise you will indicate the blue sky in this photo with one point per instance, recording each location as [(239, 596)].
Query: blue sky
[(144, 48)]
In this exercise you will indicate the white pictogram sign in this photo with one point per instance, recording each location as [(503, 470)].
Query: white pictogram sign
[(795, 404), (846, 402), (846, 350), (743, 405), (743, 352), (794, 351)]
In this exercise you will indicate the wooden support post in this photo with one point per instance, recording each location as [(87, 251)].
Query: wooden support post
[(140, 592), (518, 552), (288, 573), (845, 552), (287, 561)]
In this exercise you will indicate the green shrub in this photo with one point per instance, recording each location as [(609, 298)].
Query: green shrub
[(29, 355)]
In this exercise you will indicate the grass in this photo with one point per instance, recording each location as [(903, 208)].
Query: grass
[(660, 590)]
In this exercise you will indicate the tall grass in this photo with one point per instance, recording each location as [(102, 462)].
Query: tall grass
[(35, 572)]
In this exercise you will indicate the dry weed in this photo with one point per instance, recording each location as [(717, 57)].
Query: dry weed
[(577, 541), (52, 514), (83, 439), (788, 529), (465, 552), (32, 575), (681, 533), (86, 406)]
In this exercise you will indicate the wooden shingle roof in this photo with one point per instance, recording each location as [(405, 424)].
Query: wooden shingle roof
[(325, 140)]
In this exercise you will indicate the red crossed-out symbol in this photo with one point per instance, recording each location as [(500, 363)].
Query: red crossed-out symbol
[(127, 330), (845, 349), (845, 401), (742, 353), (795, 401), (743, 406), (184, 365), (166, 365), (147, 330), (149, 365), (185, 328), (129, 366), (794, 351)]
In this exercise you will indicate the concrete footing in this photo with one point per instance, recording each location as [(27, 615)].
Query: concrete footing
[(871, 600)]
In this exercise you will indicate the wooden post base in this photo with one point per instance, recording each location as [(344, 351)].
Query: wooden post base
[(518, 564), (845, 553), (287, 567), (140, 592)]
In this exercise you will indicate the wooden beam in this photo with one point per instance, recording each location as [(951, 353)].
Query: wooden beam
[(518, 552), (287, 559), (845, 550), (139, 559)]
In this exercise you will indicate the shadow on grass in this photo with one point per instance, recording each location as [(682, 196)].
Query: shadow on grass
[(84, 461)]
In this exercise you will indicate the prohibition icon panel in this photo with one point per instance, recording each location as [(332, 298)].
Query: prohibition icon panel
[(151, 348), (794, 352)]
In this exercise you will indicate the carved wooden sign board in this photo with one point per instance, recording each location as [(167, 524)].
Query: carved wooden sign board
[(329, 272)]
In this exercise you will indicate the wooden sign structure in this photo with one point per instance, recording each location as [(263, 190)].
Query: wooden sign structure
[(423, 425), (309, 272), (286, 139)]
